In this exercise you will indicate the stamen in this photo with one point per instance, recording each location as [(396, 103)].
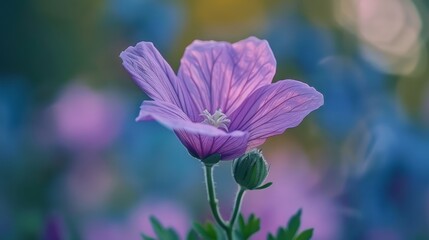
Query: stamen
[(218, 119)]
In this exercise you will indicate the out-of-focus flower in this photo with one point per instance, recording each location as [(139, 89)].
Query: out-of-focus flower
[(86, 119), (169, 214), (295, 186), (222, 101), (389, 30)]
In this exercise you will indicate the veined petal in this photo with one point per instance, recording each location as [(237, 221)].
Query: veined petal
[(229, 146), (173, 117), (200, 139), (151, 72), (220, 75), (272, 109)]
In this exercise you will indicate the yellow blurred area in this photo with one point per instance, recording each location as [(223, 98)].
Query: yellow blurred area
[(226, 20)]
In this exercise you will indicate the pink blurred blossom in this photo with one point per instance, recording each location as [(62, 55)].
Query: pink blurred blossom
[(295, 185), (86, 119)]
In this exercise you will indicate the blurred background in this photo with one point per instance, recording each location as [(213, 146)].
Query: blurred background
[(75, 165)]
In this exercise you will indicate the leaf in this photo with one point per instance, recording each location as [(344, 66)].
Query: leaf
[(206, 231), (192, 235), (291, 231), (247, 229), (283, 234), (305, 235), (293, 225), (161, 232), (266, 185), (271, 237)]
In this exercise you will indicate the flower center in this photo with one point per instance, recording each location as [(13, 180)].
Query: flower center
[(217, 119)]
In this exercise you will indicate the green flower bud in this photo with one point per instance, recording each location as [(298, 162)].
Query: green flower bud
[(250, 170)]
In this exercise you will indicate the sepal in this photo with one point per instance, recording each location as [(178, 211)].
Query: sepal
[(212, 159)]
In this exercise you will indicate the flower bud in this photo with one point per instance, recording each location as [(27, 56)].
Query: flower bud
[(250, 170)]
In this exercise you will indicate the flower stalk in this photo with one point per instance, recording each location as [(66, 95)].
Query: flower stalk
[(236, 211), (208, 169), (228, 227)]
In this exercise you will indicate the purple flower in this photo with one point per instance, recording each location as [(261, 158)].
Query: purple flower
[(222, 100)]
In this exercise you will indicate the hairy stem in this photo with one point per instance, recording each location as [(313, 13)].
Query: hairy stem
[(228, 227), (237, 206), (208, 169)]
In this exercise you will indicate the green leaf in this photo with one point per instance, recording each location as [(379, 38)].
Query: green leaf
[(283, 234), (206, 231), (247, 229), (266, 185), (293, 225), (291, 231), (305, 235), (192, 235), (271, 237), (161, 232)]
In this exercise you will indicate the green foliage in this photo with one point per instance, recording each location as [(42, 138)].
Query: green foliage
[(161, 232), (247, 229), (207, 231), (305, 235), (244, 230), (192, 235), (291, 231)]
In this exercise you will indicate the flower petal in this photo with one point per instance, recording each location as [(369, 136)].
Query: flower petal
[(151, 72), (272, 109), (220, 75), (200, 139), (229, 146)]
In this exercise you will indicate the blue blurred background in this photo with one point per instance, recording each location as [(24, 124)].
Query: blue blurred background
[(75, 165)]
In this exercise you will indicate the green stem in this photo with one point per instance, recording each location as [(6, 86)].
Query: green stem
[(228, 227), (208, 169), (237, 206)]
